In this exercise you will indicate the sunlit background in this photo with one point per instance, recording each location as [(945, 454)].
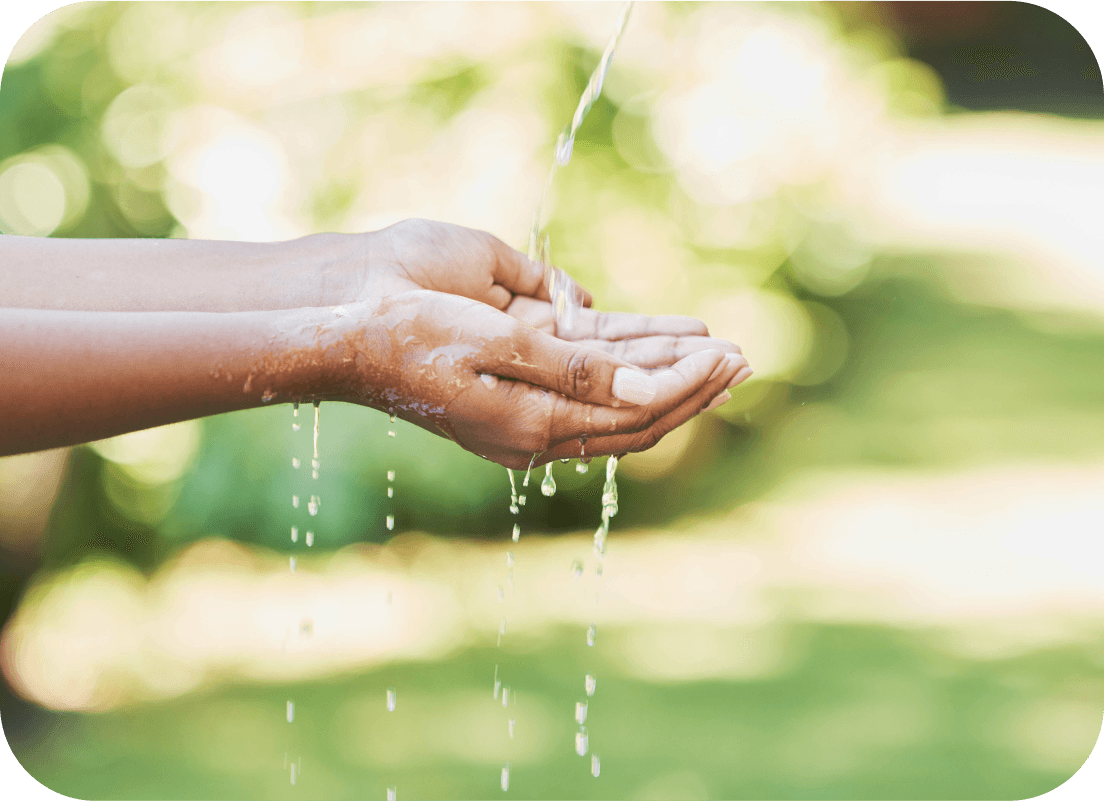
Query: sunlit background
[(877, 572)]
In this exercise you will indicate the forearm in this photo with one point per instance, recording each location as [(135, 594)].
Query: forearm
[(180, 274), (73, 377)]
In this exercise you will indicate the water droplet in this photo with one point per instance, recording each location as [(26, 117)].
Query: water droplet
[(510, 723), (505, 782), (312, 505), (290, 711), (517, 532), (294, 427), (392, 416), (521, 500), (509, 559), (590, 683), (505, 696), (390, 522), (293, 773), (295, 501), (294, 534), (491, 381), (310, 538), (548, 486), (514, 508), (580, 712), (600, 536), (291, 561), (595, 766), (390, 433), (564, 461), (391, 698), (267, 396), (581, 467), (294, 462), (390, 492), (392, 793), (592, 633), (598, 573), (497, 687), (581, 741), (576, 569), (390, 475)]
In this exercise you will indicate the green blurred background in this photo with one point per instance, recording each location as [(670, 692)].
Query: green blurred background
[(872, 574)]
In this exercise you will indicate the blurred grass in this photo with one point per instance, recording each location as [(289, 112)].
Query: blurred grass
[(857, 712)]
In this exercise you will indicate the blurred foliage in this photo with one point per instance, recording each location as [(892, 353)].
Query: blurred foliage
[(902, 374)]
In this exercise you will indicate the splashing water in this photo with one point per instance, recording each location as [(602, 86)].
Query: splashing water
[(565, 293)]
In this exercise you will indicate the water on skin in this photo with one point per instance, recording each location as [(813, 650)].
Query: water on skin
[(391, 698)]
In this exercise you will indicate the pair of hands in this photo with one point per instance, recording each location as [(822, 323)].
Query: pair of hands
[(454, 331)]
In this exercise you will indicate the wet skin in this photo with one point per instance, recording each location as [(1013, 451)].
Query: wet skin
[(447, 327)]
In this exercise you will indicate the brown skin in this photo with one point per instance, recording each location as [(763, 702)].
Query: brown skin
[(423, 311)]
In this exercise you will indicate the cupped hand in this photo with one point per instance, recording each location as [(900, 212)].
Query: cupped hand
[(423, 254), (508, 391)]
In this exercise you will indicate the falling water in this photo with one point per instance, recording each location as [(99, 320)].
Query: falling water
[(392, 696), (564, 292)]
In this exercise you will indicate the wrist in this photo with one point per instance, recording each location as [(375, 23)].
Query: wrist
[(325, 269)]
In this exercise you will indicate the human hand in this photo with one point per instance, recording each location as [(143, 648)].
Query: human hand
[(504, 389)]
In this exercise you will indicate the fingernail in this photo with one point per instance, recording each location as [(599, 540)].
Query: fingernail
[(717, 401), (633, 386), (743, 374), (696, 361)]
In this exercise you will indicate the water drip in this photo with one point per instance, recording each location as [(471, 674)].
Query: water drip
[(310, 538), (595, 766), (592, 634), (548, 485), (391, 698), (590, 683), (290, 711), (580, 712), (505, 781), (582, 744)]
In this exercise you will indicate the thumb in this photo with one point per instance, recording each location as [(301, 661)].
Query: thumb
[(572, 369)]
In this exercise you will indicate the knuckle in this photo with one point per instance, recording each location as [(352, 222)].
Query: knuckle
[(581, 372)]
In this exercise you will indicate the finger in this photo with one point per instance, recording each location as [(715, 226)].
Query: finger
[(658, 351), (520, 275), (632, 442), (577, 372), (590, 324)]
